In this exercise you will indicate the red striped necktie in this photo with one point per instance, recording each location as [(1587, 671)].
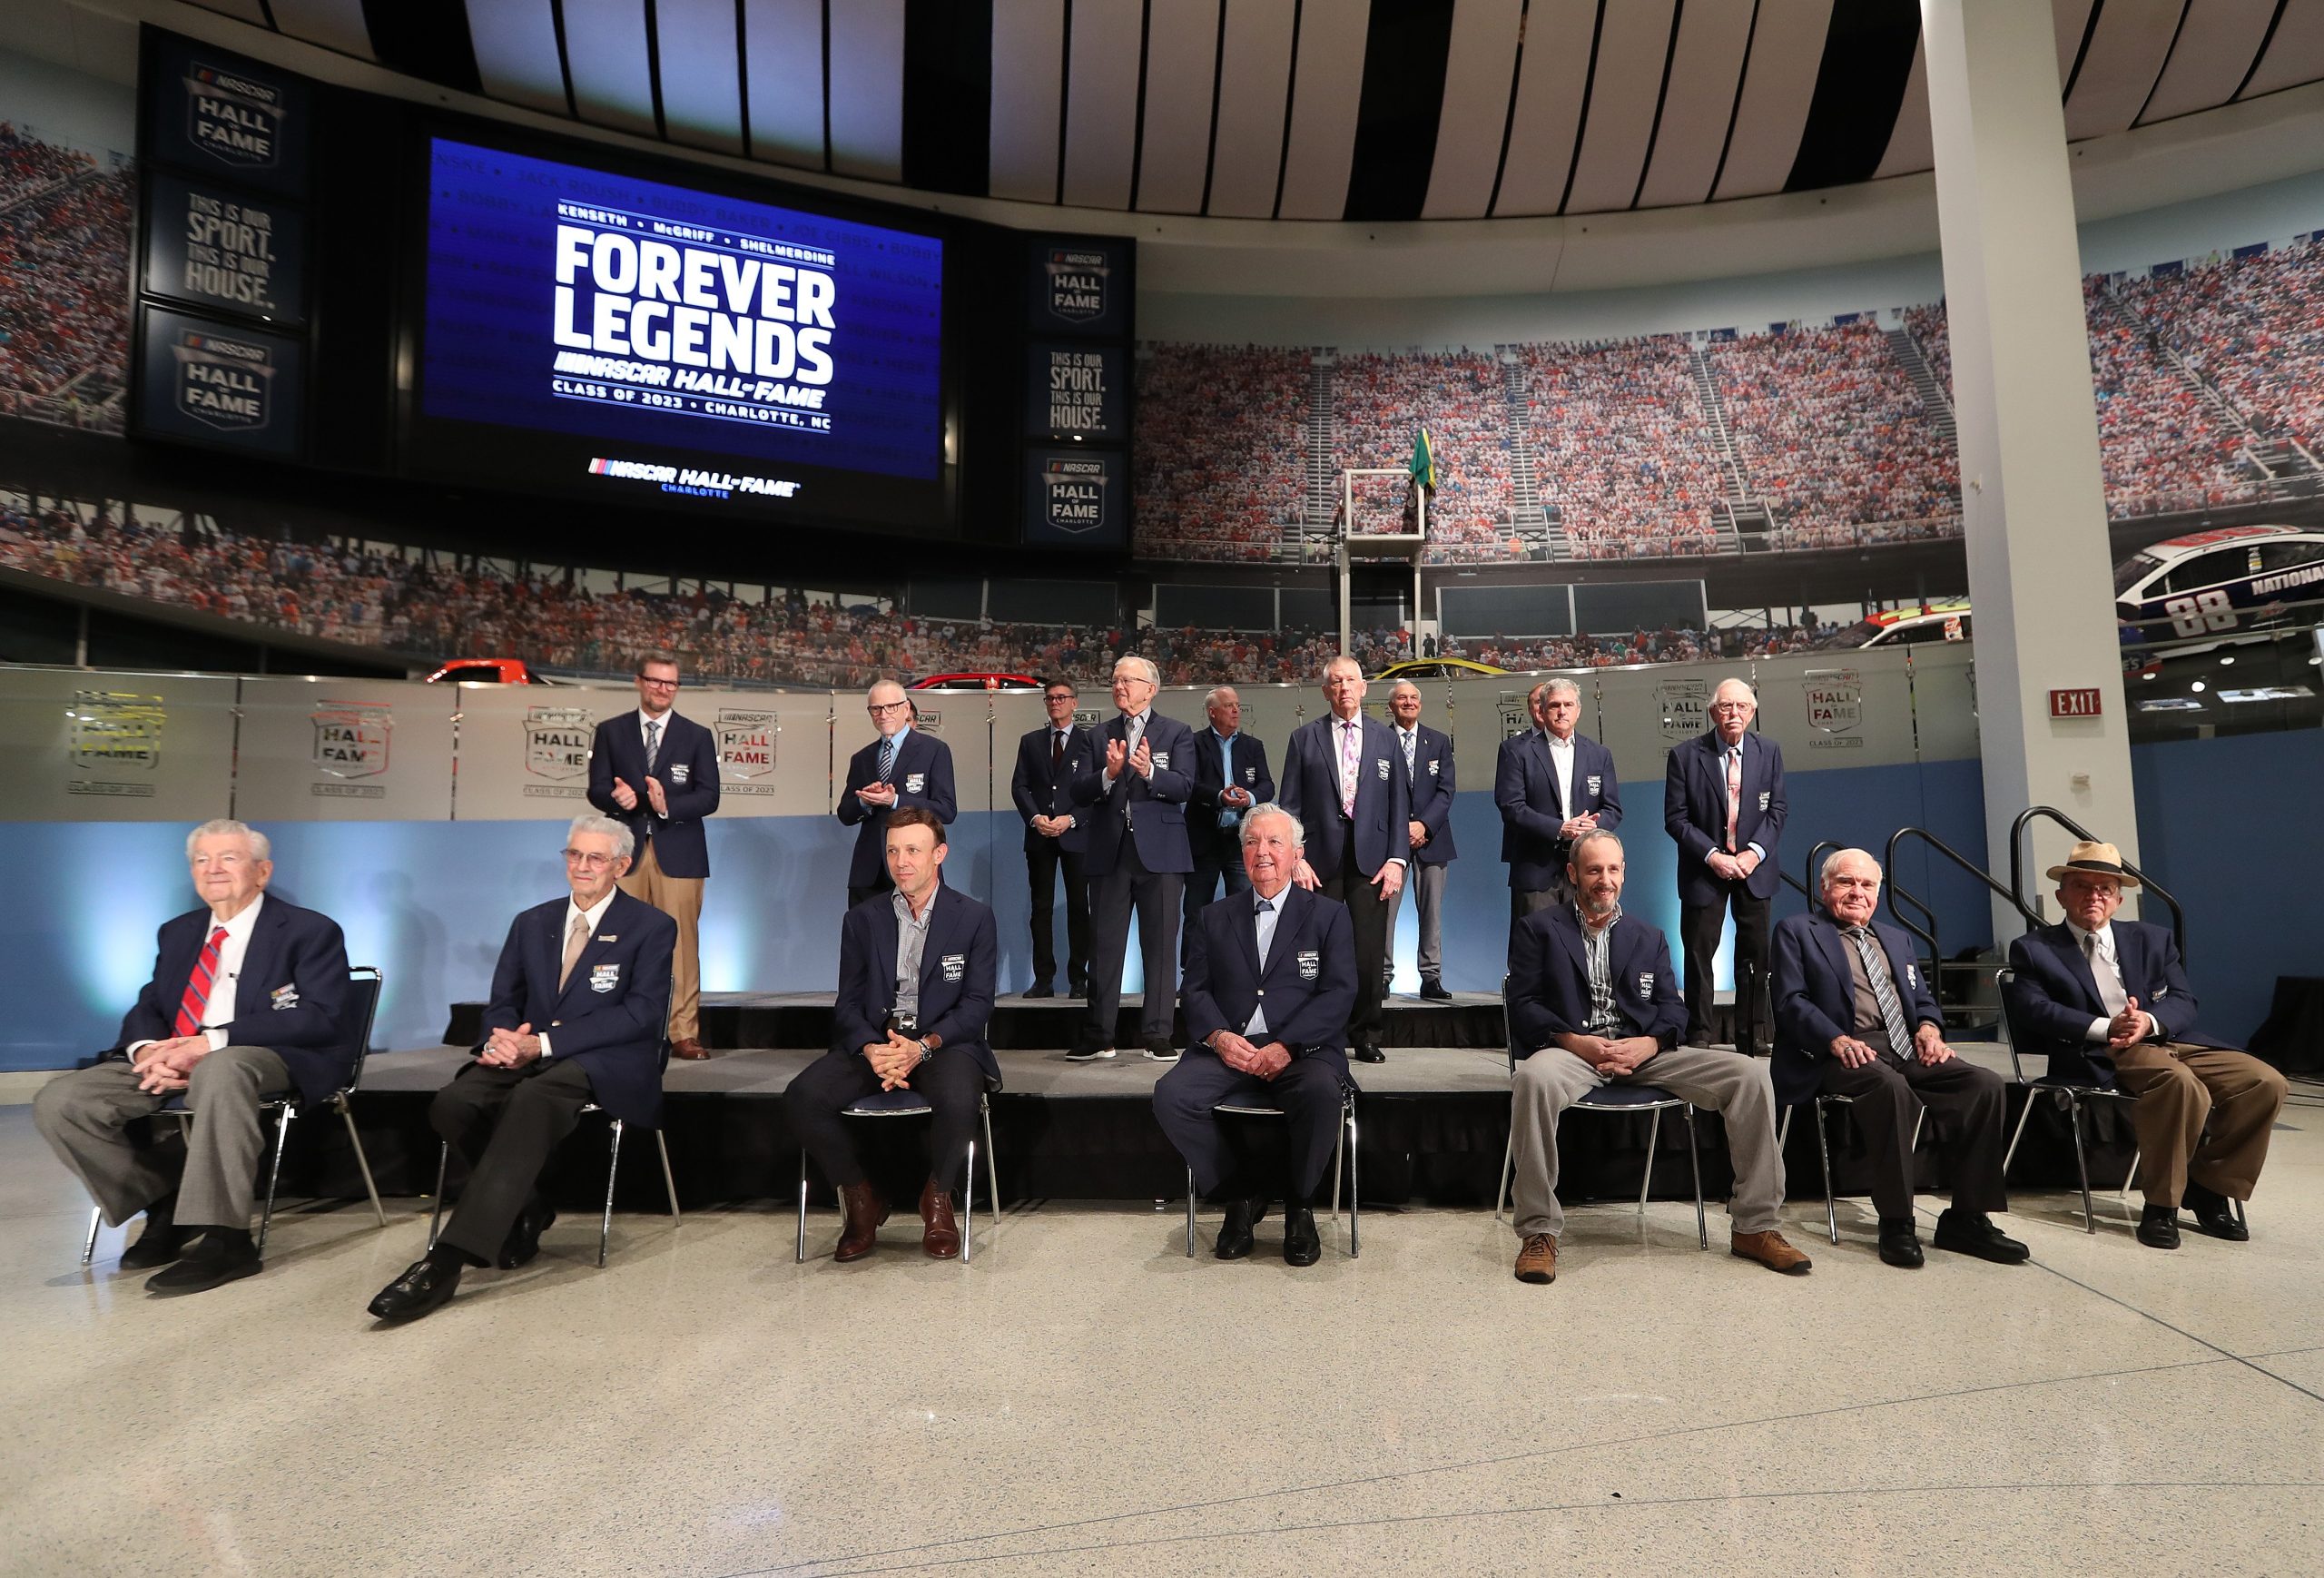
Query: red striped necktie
[(198, 984)]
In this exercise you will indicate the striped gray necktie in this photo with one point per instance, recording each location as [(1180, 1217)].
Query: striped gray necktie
[(1884, 990)]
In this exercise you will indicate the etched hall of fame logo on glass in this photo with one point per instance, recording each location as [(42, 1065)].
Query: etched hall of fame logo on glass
[(116, 742), (1834, 698), (1684, 708), (557, 747), (351, 740), (745, 748)]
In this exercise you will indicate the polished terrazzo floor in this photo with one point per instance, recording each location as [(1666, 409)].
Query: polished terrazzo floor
[(1084, 1399)]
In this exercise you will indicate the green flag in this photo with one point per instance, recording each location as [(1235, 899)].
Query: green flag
[(1423, 464)]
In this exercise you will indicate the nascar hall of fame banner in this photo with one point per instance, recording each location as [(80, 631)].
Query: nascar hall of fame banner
[(215, 112), (1077, 497), (344, 751), (220, 383), (1076, 390), (746, 749), (119, 748), (1080, 286), (220, 248)]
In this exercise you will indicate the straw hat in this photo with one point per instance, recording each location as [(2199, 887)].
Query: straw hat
[(2100, 860)]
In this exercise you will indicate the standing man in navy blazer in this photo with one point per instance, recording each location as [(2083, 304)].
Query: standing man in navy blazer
[(656, 773), (1136, 797), (1551, 783), (1854, 1017), (916, 970), (1042, 787), (580, 1005), (1230, 777), (246, 1002), (1271, 977), (2108, 1001), (1424, 756), (1343, 778), (1722, 802), (902, 767)]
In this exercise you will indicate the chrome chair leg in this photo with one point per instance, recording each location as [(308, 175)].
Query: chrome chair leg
[(2018, 1133), (2081, 1163), (96, 1220), (1783, 1129), (347, 1116), (1339, 1151), (2130, 1177), (1695, 1165), (802, 1206), (1355, 1192), (668, 1182), (1653, 1135), (613, 1170), (1824, 1151), (275, 1172), (968, 1206), (1508, 1166), (991, 1161), (436, 1216), (1190, 1211)]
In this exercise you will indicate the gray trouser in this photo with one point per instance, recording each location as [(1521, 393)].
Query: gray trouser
[(1426, 885), (1736, 1088), (86, 1118)]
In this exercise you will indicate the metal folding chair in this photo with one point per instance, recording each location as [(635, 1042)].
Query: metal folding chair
[(364, 982), (2073, 1098), (1343, 1148), (908, 1103), (1651, 1098), (1827, 1098)]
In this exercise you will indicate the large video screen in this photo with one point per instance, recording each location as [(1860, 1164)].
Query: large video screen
[(636, 342)]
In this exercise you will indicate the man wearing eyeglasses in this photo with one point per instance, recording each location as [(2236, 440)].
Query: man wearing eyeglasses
[(1723, 803), (904, 766), (579, 1001), (656, 773)]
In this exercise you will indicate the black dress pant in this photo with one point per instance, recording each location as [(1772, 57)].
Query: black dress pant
[(1368, 913), (1698, 929), (1965, 1108), (1222, 1150), (952, 1079), (1042, 862), (1155, 897), (504, 1122)]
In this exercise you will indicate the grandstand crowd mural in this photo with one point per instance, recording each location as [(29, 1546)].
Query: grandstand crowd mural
[(63, 283)]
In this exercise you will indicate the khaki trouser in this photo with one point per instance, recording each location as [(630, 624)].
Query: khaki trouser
[(2180, 1088), (680, 898), (86, 1117)]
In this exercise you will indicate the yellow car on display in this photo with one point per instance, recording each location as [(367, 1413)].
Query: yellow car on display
[(1437, 668)]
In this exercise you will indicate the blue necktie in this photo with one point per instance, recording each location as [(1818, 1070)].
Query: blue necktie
[(1227, 817), (887, 758)]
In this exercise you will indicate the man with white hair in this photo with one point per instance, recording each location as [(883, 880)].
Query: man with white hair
[(904, 766), (245, 1003), (580, 1001), (1231, 775), (1723, 804), (1551, 783)]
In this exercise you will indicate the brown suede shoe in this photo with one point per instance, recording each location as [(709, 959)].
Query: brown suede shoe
[(687, 1047), (1537, 1260), (940, 1234), (1769, 1250), (865, 1211)]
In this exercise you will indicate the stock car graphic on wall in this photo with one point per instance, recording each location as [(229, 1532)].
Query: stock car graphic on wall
[(2222, 579)]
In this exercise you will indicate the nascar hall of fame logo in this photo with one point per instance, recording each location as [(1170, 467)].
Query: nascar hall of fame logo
[(1077, 284), (352, 741), (235, 118), (1684, 708), (557, 747), (117, 742), (745, 749), (221, 381), (1075, 495), (1515, 718), (1835, 701)]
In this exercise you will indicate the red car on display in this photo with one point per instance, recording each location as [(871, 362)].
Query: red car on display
[(980, 680), (488, 671)]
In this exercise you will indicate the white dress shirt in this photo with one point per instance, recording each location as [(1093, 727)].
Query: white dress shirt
[(218, 1008), (594, 914), (1561, 765), (2106, 969)]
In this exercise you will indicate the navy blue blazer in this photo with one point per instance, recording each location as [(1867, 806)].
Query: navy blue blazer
[(1428, 795), (1814, 995), (290, 997), (922, 776), (1694, 812), (610, 1017), (1039, 792), (687, 766), (1310, 792), (1525, 789), (959, 967), (1160, 826), (1209, 840), (1548, 981), (1308, 987), (2054, 997)]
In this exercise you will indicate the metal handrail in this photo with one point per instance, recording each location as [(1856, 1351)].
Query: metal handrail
[(1893, 891), (1815, 860), (2017, 869)]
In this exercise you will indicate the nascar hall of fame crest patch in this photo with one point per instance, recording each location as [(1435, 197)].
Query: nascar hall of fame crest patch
[(1079, 281), (745, 737), (1311, 964), (557, 747), (1684, 705), (1835, 702), (284, 997), (351, 741), (1646, 983), (116, 743), (954, 966), (1074, 495), (235, 118), (604, 977), (223, 382)]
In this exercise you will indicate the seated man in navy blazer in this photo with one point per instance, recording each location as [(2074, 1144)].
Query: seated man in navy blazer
[(904, 766), (1551, 783), (1230, 777), (1854, 1017), (916, 976), (580, 1005), (1723, 804), (246, 1002), (1271, 979), (1590, 1003), (2107, 1001)]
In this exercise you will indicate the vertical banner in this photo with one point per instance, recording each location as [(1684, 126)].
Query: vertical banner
[(224, 114)]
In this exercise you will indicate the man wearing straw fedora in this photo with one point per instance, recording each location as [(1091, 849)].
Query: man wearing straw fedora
[(2108, 1000)]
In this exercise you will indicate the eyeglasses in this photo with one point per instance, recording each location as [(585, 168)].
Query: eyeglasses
[(1732, 706), (877, 708), (588, 862), (657, 684)]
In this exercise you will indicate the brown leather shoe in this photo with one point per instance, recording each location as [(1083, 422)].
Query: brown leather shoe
[(1537, 1260), (687, 1047), (940, 1234), (1769, 1250), (865, 1211)]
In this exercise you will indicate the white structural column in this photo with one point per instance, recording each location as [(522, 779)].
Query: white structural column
[(2033, 498)]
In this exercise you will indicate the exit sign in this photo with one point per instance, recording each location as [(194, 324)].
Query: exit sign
[(2074, 704)]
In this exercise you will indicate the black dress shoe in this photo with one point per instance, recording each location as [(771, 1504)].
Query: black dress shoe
[(1974, 1233), (1433, 991), (1235, 1232), (1301, 1245), (1367, 1052), (211, 1261), (523, 1241), (424, 1286), (1900, 1244), (2158, 1226), (1077, 986), (2214, 1215), (1040, 989), (162, 1242)]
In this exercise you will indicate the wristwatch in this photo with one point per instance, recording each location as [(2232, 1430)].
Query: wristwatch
[(928, 1045)]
